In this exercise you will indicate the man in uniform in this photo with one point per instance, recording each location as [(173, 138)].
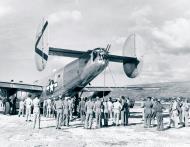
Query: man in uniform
[(48, 107), (82, 110), (185, 113), (36, 111), (66, 111), (179, 107), (148, 112), (124, 112), (158, 109), (97, 109), (154, 103), (105, 104), (28, 104), (116, 109), (110, 109), (59, 110), (89, 107), (21, 108), (45, 108), (175, 113), (71, 106)]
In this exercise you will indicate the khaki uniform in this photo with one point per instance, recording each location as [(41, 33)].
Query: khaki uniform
[(82, 110), (148, 113), (97, 109), (59, 110), (36, 111), (28, 104), (21, 108), (185, 114), (158, 108), (66, 112), (116, 108), (89, 106)]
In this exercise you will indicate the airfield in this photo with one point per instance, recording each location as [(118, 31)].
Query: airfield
[(15, 132)]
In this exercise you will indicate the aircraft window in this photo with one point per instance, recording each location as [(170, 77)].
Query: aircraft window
[(94, 55)]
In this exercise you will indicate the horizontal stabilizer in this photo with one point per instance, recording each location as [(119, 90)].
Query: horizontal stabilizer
[(116, 58), (66, 52)]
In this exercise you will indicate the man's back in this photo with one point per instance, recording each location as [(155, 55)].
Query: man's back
[(89, 106), (28, 102), (59, 104)]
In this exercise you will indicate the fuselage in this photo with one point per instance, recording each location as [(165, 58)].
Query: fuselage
[(72, 78)]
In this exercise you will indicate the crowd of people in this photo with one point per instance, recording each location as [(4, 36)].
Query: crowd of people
[(101, 112), (153, 109)]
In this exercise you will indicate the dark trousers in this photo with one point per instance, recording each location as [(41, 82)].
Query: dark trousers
[(105, 119), (147, 121)]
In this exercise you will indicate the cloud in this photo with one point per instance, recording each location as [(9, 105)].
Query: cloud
[(173, 35), (57, 17), (4, 10)]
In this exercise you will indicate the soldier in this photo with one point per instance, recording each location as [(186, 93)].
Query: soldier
[(105, 104), (21, 108), (124, 112), (59, 110), (110, 109), (28, 104), (97, 109), (142, 106), (158, 109), (71, 106), (154, 103), (148, 112), (179, 108), (45, 108), (175, 113), (82, 110), (48, 107), (116, 108), (185, 113), (36, 111), (171, 122), (66, 111), (89, 107)]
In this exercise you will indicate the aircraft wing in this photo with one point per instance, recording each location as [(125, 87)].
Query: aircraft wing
[(10, 88), (66, 52), (116, 58)]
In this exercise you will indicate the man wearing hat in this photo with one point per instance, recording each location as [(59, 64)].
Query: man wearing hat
[(158, 109), (89, 107), (82, 110), (124, 111), (185, 113), (148, 112), (59, 110), (175, 113), (28, 104), (97, 109), (117, 109), (36, 111), (66, 111)]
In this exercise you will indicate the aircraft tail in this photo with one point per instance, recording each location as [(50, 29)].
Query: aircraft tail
[(42, 47), (132, 70)]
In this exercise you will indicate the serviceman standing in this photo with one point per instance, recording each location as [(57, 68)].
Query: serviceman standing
[(89, 107), (71, 106), (48, 107), (175, 113), (21, 108), (82, 110), (124, 112), (110, 109), (158, 109), (185, 113), (45, 108), (59, 110), (154, 102), (97, 109), (105, 104), (148, 112), (117, 108), (28, 104), (66, 111), (36, 111)]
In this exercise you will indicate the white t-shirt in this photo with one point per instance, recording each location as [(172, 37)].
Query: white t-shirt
[(110, 106), (36, 104)]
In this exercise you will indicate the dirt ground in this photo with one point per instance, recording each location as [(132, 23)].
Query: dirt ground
[(15, 132)]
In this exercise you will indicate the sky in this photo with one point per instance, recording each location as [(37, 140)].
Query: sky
[(162, 28)]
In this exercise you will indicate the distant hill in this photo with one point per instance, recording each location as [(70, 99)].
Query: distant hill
[(158, 90)]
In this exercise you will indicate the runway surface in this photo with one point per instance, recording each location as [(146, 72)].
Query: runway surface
[(15, 132)]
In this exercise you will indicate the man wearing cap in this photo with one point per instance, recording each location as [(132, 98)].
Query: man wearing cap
[(66, 111), (158, 109), (105, 104), (28, 104), (48, 107), (154, 104), (36, 111), (97, 109), (148, 112), (175, 113), (117, 108), (179, 108), (110, 109), (59, 110), (185, 113), (89, 107), (82, 110), (124, 111)]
